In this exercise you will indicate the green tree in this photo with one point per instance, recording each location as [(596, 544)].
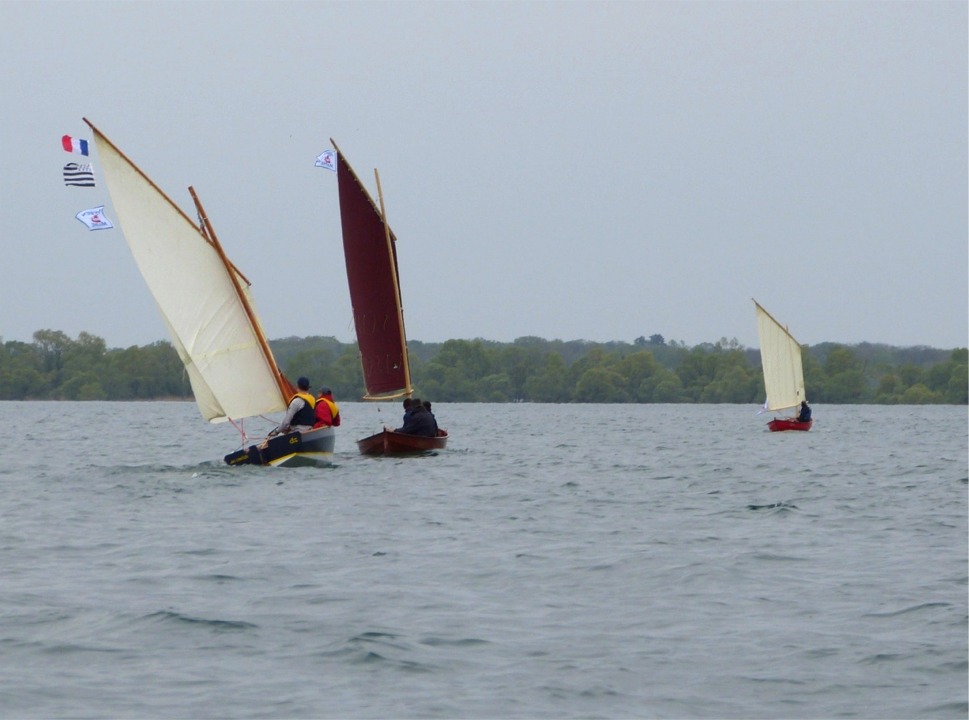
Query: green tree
[(601, 385), (696, 372), (957, 388), (549, 383), (919, 394), (885, 393), (495, 388), (456, 374), (518, 364), (83, 386), (641, 373), (845, 381), (20, 375), (347, 375), (669, 389), (21, 382), (530, 368), (51, 346)]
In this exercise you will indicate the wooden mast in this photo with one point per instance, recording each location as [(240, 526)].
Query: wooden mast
[(393, 268), (208, 232)]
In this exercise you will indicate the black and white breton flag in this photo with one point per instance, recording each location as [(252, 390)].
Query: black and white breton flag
[(79, 174)]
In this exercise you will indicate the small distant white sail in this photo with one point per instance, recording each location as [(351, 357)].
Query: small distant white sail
[(780, 356)]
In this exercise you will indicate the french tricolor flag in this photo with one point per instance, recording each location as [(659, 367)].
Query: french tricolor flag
[(74, 145)]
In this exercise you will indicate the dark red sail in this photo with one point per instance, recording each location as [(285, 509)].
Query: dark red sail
[(374, 290)]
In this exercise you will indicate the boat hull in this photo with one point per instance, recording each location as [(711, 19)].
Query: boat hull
[(314, 447), (780, 424), (389, 442)]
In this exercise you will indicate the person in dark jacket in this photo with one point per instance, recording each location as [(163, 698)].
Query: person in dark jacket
[(804, 414), (408, 409), (417, 421), (427, 406)]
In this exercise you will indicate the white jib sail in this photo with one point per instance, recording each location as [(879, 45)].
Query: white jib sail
[(230, 375), (780, 356)]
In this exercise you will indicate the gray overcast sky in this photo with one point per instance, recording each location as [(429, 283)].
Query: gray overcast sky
[(570, 170)]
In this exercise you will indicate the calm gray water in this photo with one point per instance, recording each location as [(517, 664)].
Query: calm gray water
[(557, 561)]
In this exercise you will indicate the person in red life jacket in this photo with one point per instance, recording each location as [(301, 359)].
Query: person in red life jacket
[(301, 413), (327, 411)]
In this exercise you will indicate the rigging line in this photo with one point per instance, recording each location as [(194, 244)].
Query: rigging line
[(240, 426)]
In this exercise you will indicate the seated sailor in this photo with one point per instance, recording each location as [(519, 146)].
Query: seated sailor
[(301, 413), (418, 421)]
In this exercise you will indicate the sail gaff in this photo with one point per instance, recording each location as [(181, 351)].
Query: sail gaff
[(780, 355), (199, 294), (371, 261)]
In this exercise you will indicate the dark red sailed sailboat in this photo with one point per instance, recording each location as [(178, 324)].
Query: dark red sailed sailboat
[(369, 246)]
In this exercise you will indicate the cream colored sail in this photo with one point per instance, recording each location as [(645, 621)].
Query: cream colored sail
[(780, 356), (220, 343)]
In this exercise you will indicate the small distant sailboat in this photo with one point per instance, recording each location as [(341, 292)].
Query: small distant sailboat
[(207, 306), (780, 356), (369, 246)]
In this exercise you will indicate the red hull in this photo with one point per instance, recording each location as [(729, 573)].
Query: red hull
[(389, 442), (779, 424)]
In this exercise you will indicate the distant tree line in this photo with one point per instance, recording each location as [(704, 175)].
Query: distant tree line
[(530, 369)]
